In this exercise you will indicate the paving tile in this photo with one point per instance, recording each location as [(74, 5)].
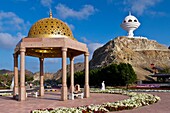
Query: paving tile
[(52, 100)]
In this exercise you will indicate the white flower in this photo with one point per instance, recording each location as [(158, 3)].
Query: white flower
[(135, 100)]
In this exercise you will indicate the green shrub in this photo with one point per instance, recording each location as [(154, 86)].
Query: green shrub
[(113, 75)]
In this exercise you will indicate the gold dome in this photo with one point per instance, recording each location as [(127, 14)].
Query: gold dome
[(50, 28)]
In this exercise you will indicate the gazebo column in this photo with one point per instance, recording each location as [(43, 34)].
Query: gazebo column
[(86, 86), (22, 91), (41, 92), (15, 89), (64, 74), (72, 74)]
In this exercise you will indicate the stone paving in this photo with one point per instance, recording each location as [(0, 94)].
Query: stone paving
[(52, 100)]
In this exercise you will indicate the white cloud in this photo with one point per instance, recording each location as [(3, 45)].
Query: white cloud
[(79, 58), (46, 3), (84, 39), (8, 41), (139, 6), (9, 21), (155, 13), (71, 26), (92, 46), (65, 12)]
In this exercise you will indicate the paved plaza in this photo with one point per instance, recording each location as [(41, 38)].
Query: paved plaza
[(52, 100), (163, 106)]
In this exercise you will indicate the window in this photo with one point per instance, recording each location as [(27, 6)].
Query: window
[(129, 20)]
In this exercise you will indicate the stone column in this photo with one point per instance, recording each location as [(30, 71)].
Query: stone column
[(41, 92), (15, 89), (22, 91), (72, 74), (86, 86), (64, 74)]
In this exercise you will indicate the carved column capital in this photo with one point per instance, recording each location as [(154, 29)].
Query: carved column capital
[(22, 49), (64, 49), (86, 54)]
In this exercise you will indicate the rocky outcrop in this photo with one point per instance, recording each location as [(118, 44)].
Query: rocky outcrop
[(77, 67), (27, 73), (46, 76), (5, 71), (139, 52)]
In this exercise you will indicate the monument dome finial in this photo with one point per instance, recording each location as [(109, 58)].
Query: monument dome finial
[(51, 15)]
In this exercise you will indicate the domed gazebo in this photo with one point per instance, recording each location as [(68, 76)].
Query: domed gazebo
[(49, 38)]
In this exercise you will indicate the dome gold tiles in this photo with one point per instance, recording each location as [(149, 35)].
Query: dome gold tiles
[(50, 28)]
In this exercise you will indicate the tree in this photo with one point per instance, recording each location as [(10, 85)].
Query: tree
[(113, 75), (6, 80), (79, 78), (127, 74), (29, 78), (165, 70)]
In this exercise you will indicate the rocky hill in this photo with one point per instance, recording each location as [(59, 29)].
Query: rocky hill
[(5, 71), (77, 67), (28, 73), (139, 52), (46, 76)]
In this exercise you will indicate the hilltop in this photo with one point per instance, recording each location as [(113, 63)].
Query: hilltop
[(139, 52)]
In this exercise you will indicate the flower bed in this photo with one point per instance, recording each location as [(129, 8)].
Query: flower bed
[(5, 94), (148, 90), (135, 100)]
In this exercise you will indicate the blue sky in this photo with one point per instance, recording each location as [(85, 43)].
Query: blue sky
[(93, 22)]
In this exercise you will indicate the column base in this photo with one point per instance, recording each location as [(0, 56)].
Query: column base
[(64, 93), (41, 92), (15, 91), (71, 89), (86, 91), (22, 93)]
